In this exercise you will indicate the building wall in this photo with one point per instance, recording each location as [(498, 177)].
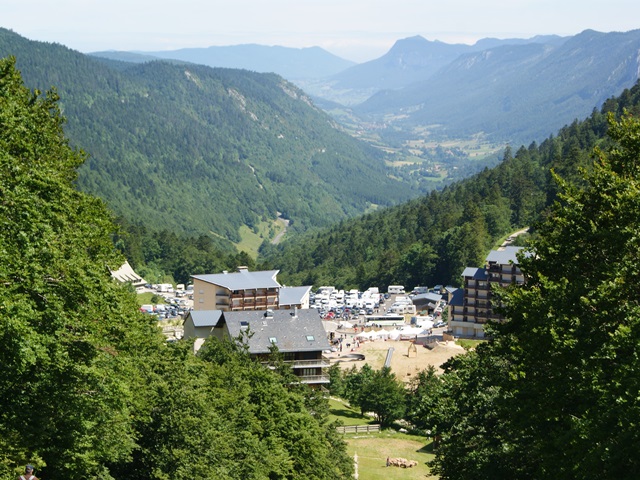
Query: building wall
[(469, 319), (207, 296)]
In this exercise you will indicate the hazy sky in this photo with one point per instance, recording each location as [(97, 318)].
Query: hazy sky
[(358, 30)]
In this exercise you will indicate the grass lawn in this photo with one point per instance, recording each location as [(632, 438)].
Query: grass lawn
[(373, 449), (145, 298), (469, 343)]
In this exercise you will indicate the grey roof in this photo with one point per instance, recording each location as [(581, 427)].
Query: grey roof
[(292, 295), (430, 297), (204, 318), (504, 257), (457, 298), (242, 280), (476, 273), (301, 333)]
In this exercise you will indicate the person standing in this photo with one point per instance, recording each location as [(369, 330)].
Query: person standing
[(28, 473)]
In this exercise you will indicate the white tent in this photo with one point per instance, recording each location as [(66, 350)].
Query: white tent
[(372, 335), (414, 331), (345, 324), (395, 334), (382, 334), (426, 324), (366, 335)]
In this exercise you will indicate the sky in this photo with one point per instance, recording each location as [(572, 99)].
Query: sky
[(357, 30)]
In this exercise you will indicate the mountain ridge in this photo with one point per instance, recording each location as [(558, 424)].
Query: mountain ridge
[(202, 150), (517, 92), (290, 63)]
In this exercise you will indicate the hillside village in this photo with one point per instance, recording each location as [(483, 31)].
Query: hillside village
[(93, 388), (312, 328)]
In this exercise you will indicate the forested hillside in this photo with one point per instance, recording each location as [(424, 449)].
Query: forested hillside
[(199, 150), (430, 240), (557, 385), (90, 388)]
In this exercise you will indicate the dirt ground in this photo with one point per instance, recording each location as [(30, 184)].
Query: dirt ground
[(405, 361)]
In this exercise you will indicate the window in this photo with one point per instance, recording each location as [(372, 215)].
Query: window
[(310, 338), (273, 339)]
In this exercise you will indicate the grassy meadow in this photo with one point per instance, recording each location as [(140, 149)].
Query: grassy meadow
[(372, 449)]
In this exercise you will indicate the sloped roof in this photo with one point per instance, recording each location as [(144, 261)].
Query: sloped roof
[(126, 274), (242, 280), (293, 330), (476, 273), (504, 257), (205, 318), (457, 297), (292, 295), (427, 297)]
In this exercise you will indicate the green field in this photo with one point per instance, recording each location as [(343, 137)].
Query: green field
[(468, 343), (373, 449), (252, 239)]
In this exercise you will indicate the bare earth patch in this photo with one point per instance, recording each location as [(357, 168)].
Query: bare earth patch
[(406, 362)]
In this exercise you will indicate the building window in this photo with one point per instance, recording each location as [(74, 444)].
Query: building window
[(310, 338), (273, 339)]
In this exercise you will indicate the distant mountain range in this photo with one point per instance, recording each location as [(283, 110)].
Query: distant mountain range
[(515, 92), (510, 90), (415, 59), (291, 63), (189, 148)]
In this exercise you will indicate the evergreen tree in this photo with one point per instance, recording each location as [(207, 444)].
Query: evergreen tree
[(555, 394)]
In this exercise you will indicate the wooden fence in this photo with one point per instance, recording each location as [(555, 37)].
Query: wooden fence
[(359, 429)]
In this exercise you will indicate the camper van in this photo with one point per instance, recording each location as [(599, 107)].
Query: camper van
[(395, 289)]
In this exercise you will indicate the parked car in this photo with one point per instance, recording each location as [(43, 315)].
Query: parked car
[(440, 324)]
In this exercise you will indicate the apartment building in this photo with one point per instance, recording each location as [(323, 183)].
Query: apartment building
[(470, 312), (299, 335), (236, 291)]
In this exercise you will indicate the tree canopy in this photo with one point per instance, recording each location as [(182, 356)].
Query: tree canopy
[(430, 240), (555, 393), (90, 388)]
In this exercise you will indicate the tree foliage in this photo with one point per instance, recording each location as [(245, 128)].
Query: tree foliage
[(430, 240), (555, 394), (195, 150), (89, 386)]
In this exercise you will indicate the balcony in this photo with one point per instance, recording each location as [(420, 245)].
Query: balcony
[(309, 379), (315, 363), (312, 363)]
